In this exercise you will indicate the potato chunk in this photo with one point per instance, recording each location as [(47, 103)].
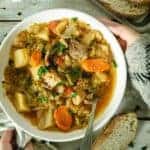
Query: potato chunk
[(77, 100), (98, 78), (61, 26), (21, 102), (98, 36), (88, 38), (45, 118), (21, 58), (44, 35)]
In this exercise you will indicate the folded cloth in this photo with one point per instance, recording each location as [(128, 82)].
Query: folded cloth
[(138, 60), (22, 137)]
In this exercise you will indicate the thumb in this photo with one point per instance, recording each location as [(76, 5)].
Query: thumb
[(113, 26), (6, 139), (7, 136), (124, 32)]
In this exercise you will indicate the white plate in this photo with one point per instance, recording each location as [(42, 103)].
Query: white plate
[(46, 16)]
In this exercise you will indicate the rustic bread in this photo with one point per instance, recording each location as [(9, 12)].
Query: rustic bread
[(125, 8), (118, 134), (141, 1)]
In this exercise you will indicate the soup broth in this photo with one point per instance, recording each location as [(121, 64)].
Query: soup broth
[(55, 71)]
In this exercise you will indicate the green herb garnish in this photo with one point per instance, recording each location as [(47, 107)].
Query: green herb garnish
[(42, 70), (74, 94), (42, 99), (60, 83), (74, 19), (75, 74), (71, 112), (114, 63), (58, 48)]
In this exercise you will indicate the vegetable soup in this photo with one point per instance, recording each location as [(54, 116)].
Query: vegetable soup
[(55, 69)]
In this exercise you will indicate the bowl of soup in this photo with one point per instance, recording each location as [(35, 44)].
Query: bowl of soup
[(52, 65)]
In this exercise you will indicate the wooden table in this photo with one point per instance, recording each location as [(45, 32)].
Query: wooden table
[(13, 12)]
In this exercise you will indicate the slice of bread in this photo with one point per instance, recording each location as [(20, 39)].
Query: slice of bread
[(125, 8), (118, 134), (141, 1)]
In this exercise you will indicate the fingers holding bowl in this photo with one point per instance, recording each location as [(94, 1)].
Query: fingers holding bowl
[(126, 34)]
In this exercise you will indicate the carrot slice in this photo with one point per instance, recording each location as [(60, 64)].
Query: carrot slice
[(68, 91), (60, 60), (63, 118), (95, 65), (52, 26), (35, 59)]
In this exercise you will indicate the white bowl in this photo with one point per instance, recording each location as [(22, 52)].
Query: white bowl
[(57, 136)]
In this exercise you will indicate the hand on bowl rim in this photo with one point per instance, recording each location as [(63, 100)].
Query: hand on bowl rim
[(7, 141), (125, 35)]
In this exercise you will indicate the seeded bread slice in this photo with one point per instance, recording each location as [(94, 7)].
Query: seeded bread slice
[(118, 134), (141, 1), (125, 8)]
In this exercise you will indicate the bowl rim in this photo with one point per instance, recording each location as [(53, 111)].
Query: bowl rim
[(104, 121)]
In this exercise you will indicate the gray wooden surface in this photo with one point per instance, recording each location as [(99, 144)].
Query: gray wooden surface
[(13, 12)]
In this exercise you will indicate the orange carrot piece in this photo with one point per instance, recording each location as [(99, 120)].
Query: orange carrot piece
[(59, 60), (95, 65), (35, 59), (52, 26), (68, 91), (63, 118)]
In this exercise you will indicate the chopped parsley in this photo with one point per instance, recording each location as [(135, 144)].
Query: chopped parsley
[(42, 70), (114, 63), (74, 19), (74, 94), (42, 99), (60, 83), (58, 48), (75, 74), (71, 112)]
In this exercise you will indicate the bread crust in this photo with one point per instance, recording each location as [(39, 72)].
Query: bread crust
[(140, 1), (114, 125), (126, 15)]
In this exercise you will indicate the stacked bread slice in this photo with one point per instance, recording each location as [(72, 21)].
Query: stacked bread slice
[(141, 1), (127, 8), (118, 133)]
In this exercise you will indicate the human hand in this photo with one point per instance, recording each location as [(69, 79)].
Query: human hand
[(7, 141), (125, 35)]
